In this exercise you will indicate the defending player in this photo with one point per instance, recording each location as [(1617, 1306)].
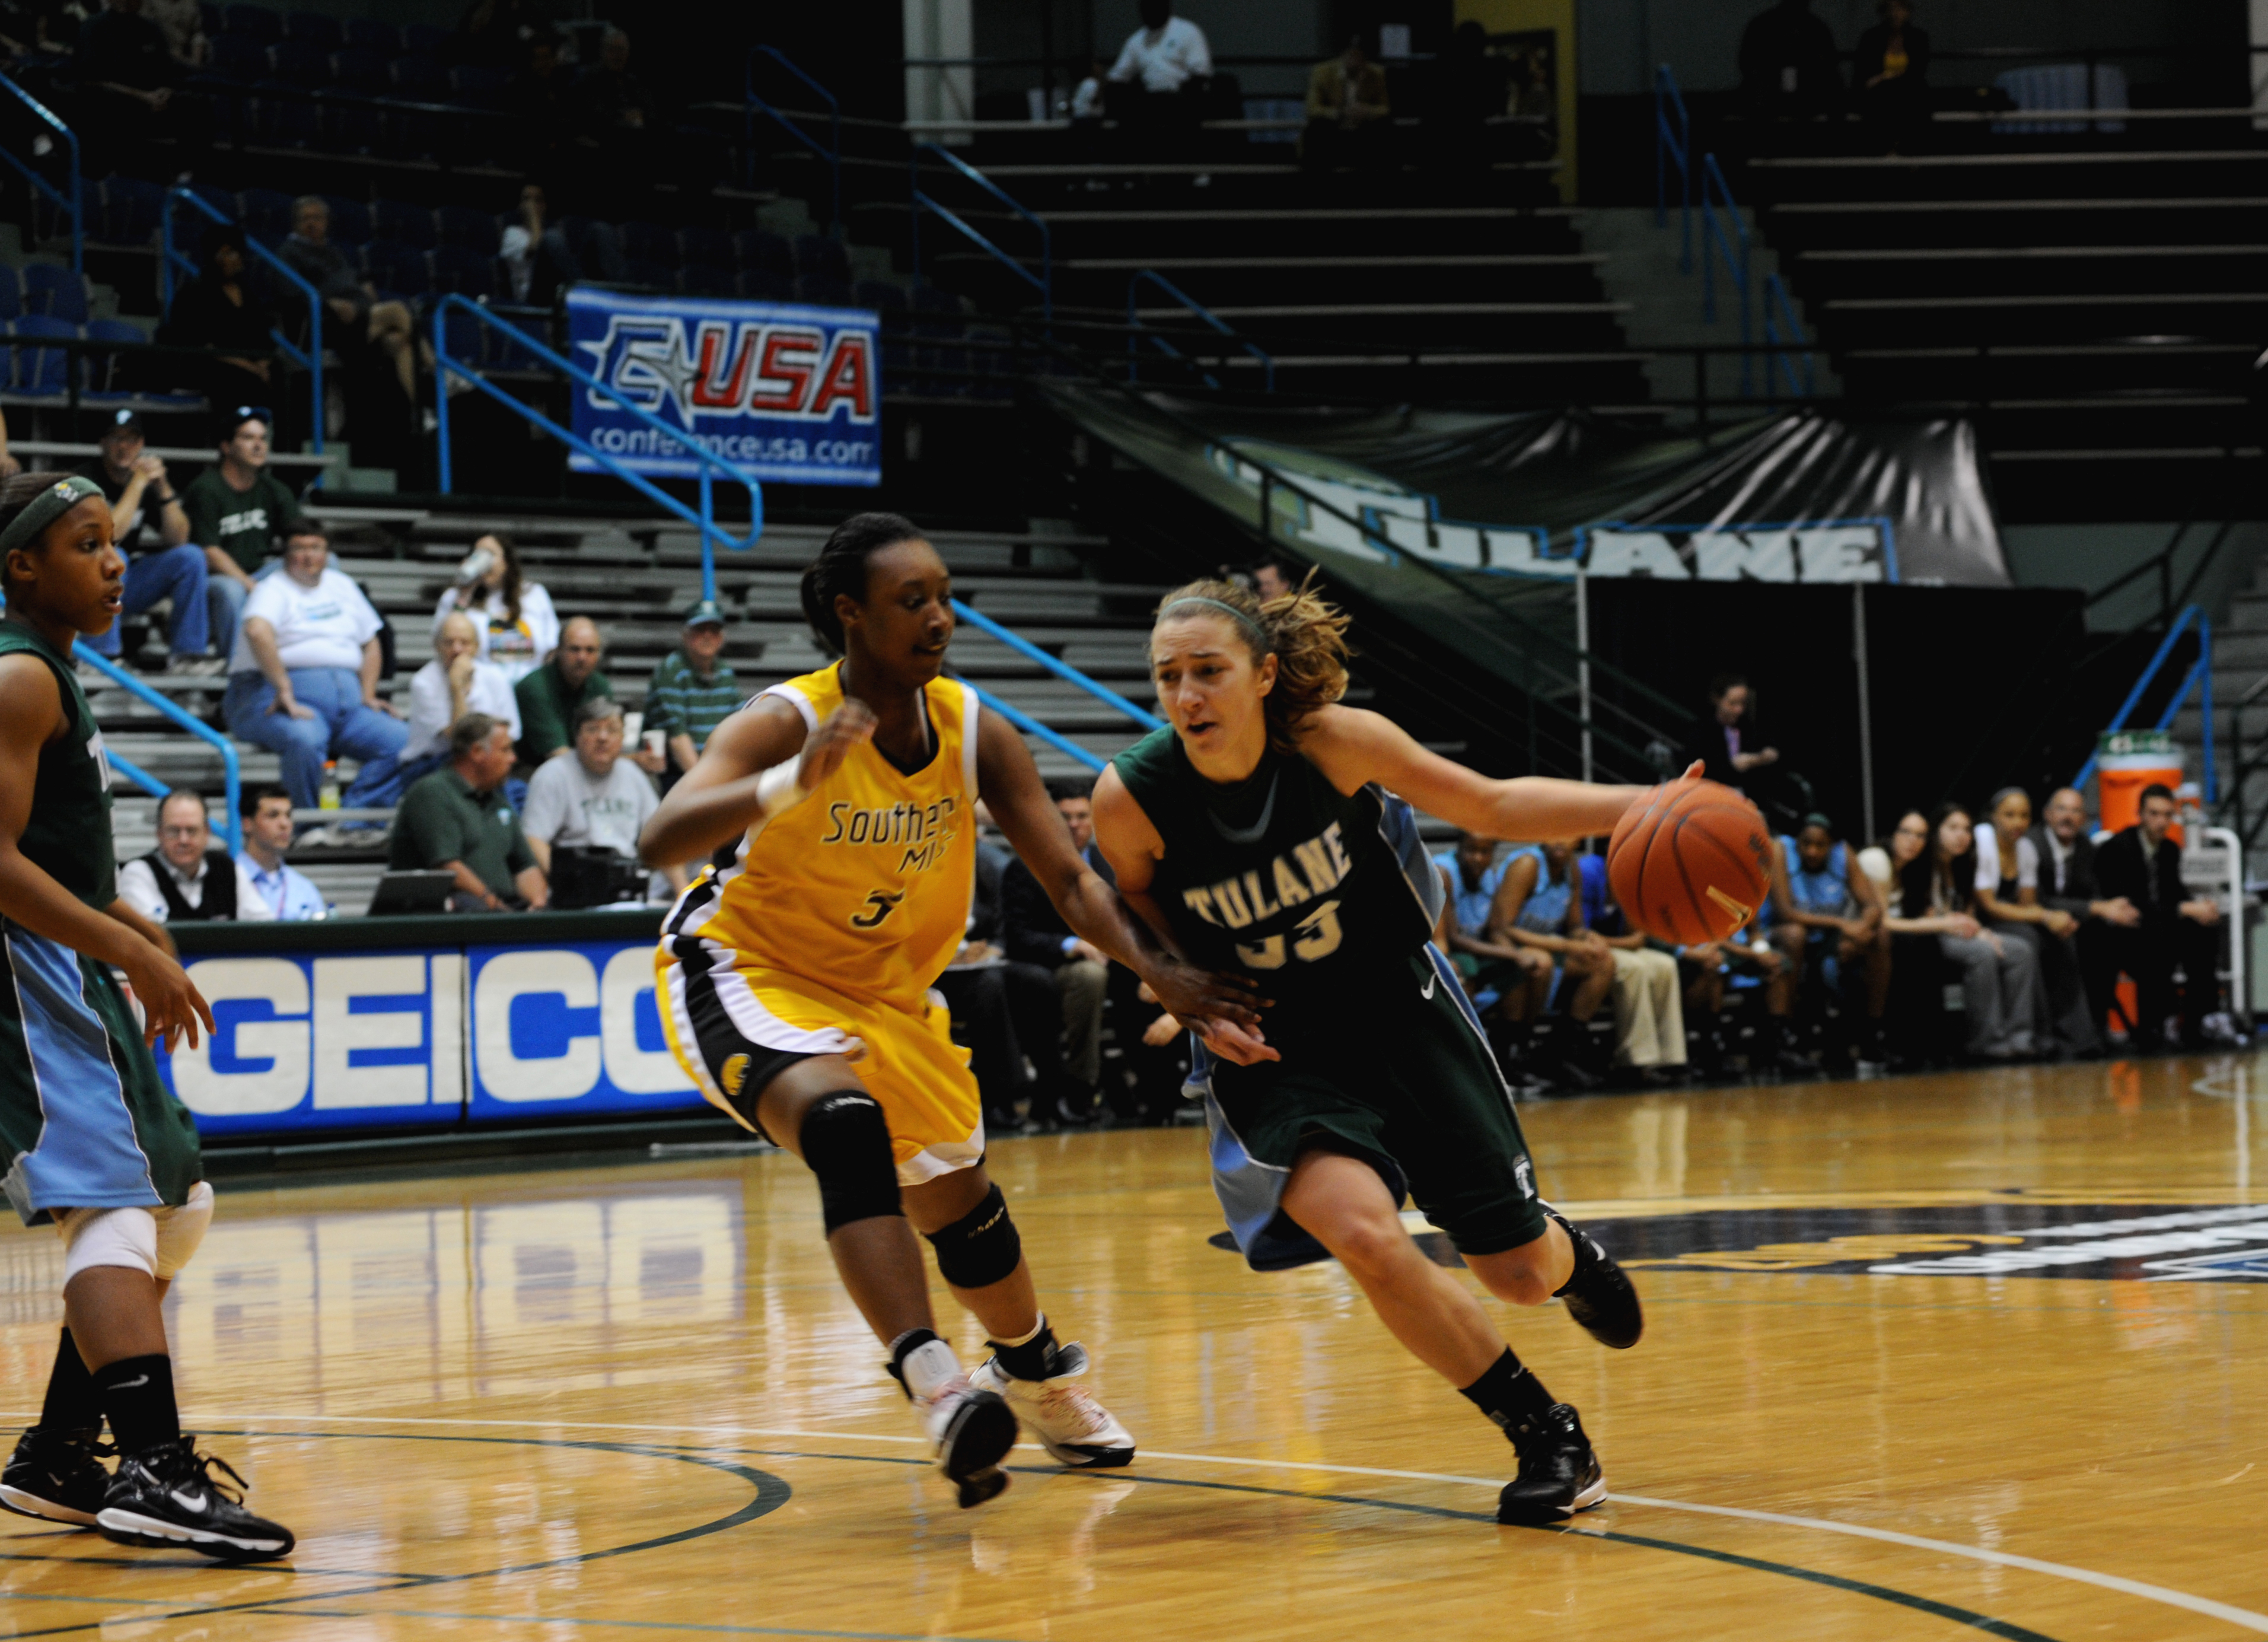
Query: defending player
[(96, 1144), (1261, 829), (795, 973)]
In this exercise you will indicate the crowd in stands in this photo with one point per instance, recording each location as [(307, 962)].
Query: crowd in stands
[(1791, 68)]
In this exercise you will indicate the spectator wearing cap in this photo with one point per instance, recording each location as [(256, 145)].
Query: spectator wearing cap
[(457, 819), (285, 891), (150, 525), (237, 509), (693, 689), (302, 679), (185, 879)]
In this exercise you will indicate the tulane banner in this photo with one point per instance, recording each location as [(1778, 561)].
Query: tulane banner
[(790, 392)]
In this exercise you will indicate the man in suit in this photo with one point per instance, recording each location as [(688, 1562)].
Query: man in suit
[(2068, 886), (2143, 867)]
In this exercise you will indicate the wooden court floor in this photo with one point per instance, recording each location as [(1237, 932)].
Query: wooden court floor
[(1976, 1353)]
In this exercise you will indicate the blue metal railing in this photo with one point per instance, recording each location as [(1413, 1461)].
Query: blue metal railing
[(1044, 282), (2200, 678), (1778, 310), (1030, 725), (74, 206), (1673, 145), (1730, 249), (1062, 669), (711, 465), (1134, 340), (232, 773), (831, 153), (309, 358)]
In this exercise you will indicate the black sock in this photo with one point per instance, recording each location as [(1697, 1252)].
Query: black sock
[(1514, 1399), (72, 1404), (137, 1394), (1032, 1359)]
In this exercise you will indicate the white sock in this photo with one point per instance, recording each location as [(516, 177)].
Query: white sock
[(927, 1367), (1028, 1337)]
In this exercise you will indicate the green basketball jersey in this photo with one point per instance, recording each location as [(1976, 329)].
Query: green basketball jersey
[(1319, 896), (68, 833)]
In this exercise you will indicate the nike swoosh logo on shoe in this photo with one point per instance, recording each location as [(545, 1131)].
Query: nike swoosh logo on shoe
[(188, 1502), (129, 1385)]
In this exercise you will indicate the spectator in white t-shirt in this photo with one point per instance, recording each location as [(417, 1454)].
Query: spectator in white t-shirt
[(455, 683), (1165, 54), (302, 679), (519, 629), (598, 799)]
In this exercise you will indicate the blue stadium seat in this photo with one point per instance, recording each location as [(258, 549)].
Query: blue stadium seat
[(705, 279), (411, 224), (359, 69), (396, 268), (711, 246), (352, 127), (657, 275), (583, 243), (417, 79), (317, 28), (478, 86), (466, 337), (209, 17), (129, 210), (650, 242), (823, 293), (43, 371), (464, 271), (266, 214), (239, 57), (503, 354), (414, 134), (822, 256), (475, 229), (253, 22), (760, 251), (371, 34), (286, 121), (349, 221), (105, 373), (761, 285), (55, 292), (885, 298), (301, 63), (424, 39), (11, 294)]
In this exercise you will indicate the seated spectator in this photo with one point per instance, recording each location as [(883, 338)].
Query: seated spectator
[(518, 628), (1537, 907), (1889, 77), (2065, 846), (1348, 111), (1999, 977), (549, 696), (1724, 741), (1789, 65), (1519, 976), (598, 799), (541, 104), (1087, 100), (285, 891), (127, 72), (693, 689), (149, 526), (455, 683), (185, 879), (303, 680), (1883, 862), (1475, 86), (236, 510), (1166, 53), (353, 302), (1274, 578), (617, 123), (535, 253), (2008, 902), (1033, 932), (224, 308), (1709, 969), (1830, 922), (457, 820), (2142, 866), (1649, 1002), (998, 1006)]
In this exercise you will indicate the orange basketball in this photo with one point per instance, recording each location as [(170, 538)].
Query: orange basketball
[(1689, 862)]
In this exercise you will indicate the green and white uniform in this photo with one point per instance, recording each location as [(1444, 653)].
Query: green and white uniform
[(1327, 900), (86, 1122)]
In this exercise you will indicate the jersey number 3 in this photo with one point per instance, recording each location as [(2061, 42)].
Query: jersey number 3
[(1315, 938), (879, 904)]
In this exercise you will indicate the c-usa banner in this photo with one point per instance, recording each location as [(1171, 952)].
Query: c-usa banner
[(790, 392)]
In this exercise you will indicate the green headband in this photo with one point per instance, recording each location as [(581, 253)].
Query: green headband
[(44, 509), (1243, 618)]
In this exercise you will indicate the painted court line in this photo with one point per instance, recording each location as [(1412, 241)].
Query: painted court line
[(2242, 1617)]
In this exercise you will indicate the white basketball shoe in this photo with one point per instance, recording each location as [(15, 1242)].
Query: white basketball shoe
[(1069, 1423), (970, 1428)]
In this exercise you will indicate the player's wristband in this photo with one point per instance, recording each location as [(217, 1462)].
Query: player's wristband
[(776, 789)]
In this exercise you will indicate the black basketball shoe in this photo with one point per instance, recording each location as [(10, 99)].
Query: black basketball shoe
[(168, 1496), (1599, 1296), (1560, 1475), (57, 1475)]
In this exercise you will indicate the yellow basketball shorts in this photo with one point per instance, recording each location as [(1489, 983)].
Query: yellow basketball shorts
[(734, 1029)]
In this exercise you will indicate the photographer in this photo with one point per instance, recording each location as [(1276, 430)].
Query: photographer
[(595, 800)]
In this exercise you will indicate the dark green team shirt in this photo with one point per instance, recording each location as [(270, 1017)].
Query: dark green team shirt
[(547, 709), (67, 835), (243, 524), (681, 702), (442, 819), (1319, 896)]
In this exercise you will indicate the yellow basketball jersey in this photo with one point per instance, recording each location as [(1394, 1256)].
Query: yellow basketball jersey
[(864, 886)]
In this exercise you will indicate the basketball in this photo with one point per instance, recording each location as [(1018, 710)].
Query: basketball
[(1689, 862)]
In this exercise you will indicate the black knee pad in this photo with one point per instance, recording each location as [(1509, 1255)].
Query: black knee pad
[(846, 1144), (981, 1247)]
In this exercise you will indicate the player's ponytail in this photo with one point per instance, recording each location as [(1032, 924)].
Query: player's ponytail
[(841, 568), (1304, 633)]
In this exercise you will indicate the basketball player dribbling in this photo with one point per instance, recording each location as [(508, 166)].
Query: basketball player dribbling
[(837, 812), (1261, 829)]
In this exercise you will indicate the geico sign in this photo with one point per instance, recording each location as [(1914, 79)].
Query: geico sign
[(352, 1034)]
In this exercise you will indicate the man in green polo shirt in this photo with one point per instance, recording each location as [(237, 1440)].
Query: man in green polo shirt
[(457, 820), (549, 696), (693, 690)]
